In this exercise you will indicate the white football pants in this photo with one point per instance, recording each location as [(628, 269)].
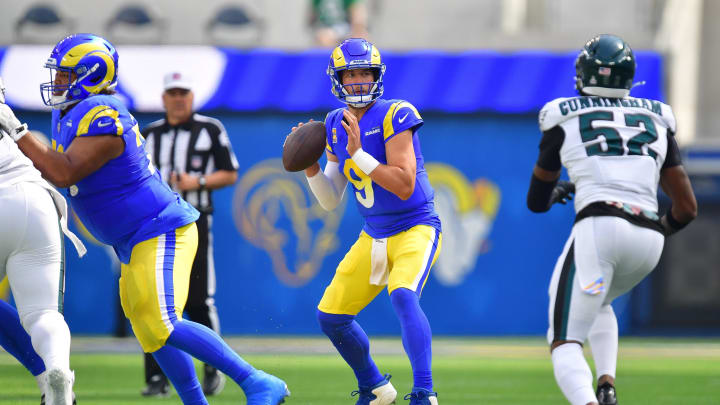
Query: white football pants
[(32, 257), (603, 258)]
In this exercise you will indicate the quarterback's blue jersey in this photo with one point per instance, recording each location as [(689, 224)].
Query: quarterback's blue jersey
[(385, 213), (125, 201)]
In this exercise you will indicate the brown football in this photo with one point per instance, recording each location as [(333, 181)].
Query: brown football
[(304, 146)]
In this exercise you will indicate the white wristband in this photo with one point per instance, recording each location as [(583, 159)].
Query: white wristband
[(365, 161), (19, 132)]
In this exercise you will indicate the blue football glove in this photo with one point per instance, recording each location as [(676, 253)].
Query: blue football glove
[(563, 192)]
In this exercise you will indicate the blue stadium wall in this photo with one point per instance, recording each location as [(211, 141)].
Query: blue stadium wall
[(276, 249)]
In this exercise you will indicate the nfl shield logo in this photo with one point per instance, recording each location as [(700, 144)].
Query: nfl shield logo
[(196, 162), (604, 71)]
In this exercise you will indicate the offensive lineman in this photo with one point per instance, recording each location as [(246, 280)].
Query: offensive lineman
[(616, 149), (98, 154), (34, 218), (374, 144)]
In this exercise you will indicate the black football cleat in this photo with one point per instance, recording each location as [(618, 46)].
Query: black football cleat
[(606, 394), (158, 386), (213, 381), (42, 399)]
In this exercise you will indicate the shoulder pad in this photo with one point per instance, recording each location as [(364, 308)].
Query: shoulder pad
[(100, 120), (550, 115), (400, 116), (669, 117), (333, 116)]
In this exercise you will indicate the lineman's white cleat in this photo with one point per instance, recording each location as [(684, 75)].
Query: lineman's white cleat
[(382, 393), (385, 394), (59, 387)]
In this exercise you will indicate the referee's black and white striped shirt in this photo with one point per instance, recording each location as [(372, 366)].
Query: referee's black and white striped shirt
[(198, 147)]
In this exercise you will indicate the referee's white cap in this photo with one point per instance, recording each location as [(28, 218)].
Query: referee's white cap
[(176, 80)]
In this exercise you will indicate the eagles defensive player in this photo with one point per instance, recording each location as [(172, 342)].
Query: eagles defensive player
[(374, 145), (32, 255), (615, 148), (97, 153)]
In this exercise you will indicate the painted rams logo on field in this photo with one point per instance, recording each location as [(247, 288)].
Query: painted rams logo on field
[(467, 212), (276, 212)]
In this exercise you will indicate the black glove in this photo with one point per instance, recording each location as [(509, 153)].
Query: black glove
[(563, 192)]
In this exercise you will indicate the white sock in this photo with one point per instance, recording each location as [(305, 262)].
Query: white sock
[(573, 374), (603, 340), (50, 338), (41, 378)]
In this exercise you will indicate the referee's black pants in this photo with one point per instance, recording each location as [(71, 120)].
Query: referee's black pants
[(200, 306)]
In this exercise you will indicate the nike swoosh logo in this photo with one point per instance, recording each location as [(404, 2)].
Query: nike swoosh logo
[(400, 120), (104, 124)]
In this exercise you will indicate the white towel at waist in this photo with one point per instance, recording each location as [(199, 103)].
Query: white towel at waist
[(61, 206), (379, 262)]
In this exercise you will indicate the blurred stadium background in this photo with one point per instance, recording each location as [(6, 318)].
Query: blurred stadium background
[(478, 71)]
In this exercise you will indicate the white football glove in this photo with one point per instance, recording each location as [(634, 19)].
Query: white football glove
[(2, 91), (8, 121), (10, 124)]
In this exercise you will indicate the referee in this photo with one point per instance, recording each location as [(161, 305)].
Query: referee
[(193, 154)]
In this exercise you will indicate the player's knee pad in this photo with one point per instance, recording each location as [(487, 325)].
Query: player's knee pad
[(403, 298), (333, 324), (151, 330)]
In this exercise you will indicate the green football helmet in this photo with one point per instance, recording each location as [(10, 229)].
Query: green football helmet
[(605, 67)]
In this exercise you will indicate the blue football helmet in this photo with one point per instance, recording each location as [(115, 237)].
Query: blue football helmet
[(605, 67), (356, 53), (91, 63)]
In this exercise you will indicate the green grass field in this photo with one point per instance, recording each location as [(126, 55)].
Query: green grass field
[(467, 371)]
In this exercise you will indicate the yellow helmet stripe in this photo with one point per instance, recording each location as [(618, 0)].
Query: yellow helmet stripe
[(109, 74), (338, 58), (73, 56), (374, 56)]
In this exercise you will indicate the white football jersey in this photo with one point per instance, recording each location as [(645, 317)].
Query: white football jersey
[(15, 167), (613, 149)]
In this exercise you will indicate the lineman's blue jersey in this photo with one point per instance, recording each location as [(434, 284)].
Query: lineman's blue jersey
[(385, 213), (125, 201)]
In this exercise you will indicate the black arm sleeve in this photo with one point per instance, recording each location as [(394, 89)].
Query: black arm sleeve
[(540, 194), (550, 144), (673, 157)]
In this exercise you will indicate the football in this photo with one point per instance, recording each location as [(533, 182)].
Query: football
[(304, 146)]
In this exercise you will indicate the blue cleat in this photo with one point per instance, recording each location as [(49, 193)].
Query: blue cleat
[(262, 388), (382, 393), (422, 397)]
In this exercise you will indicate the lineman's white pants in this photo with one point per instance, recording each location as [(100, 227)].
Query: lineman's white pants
[(32, 256)]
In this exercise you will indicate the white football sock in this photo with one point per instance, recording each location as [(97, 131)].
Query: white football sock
[(603, 340), (41, 381), (573, 374), (50, 338)]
